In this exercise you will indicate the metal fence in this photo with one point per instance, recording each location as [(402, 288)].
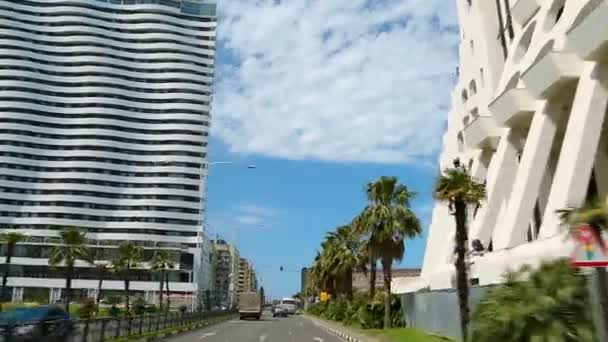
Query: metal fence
[(104, 329), (437, 311)]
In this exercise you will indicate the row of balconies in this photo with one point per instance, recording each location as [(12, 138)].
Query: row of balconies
[(587, 40)]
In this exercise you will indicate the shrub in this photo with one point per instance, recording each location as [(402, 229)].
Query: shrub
[(183, 309), (547, 304), (114, 300), (139, 306), (151, 309), (317, 309), (114, 311), (87, 309), (336, 309), (351, 314)]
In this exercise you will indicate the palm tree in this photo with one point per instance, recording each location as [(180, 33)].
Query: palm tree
[(161, 263), (10, 240), (129, 257), (72, 248), (550, 303), (389, 221), (593, 214), (101, 270), (361, 224), (343, 254), (459, 189)]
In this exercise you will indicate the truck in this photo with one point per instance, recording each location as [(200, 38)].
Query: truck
[(250, 305)]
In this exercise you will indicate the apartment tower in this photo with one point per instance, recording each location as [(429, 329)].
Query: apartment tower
[(104, 117)]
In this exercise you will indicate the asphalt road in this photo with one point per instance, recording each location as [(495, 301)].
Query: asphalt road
[(268, 329)]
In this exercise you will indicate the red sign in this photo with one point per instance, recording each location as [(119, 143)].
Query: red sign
[(588, 252)]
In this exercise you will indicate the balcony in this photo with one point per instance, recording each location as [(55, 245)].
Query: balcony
[(482, 132), (523, 10), (588, 36), (550, 72), (512, 106)]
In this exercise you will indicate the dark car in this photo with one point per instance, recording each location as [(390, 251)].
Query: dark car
[(43, 323)]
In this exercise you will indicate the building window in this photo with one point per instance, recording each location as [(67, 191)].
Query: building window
[(472, 45), (465, 96), (482, 77), (473, 87), (460, 142)]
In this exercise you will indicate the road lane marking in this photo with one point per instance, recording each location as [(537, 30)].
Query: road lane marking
[(301, 324), (318, 339), (209, 334), (263, 337)]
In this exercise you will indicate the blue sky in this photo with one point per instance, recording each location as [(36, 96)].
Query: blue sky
[(323, 98)]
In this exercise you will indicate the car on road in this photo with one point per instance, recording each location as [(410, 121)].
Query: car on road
[(289, 304), (42, 323), (279, 311)]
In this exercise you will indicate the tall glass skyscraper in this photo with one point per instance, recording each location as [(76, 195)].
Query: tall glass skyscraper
[(104, 117)]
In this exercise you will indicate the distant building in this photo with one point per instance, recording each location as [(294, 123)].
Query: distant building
[(361, 280), (227, 265), (303, 279), (244, 276)]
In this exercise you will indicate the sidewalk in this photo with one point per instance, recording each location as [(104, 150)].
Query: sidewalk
[(346, 333)]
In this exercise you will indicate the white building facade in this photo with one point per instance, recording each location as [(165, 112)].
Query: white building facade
[(528, 121), (104, 117)]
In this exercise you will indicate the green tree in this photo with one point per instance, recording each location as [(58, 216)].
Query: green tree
[(161, 263), (101, 270), (594, 214), (10, 239), (129, 257), (71, 249), (362, 224), (547, 304), (389, 220), (456, 187), (343, 253)]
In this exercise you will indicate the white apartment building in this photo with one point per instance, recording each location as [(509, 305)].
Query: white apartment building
[(528, 120), (104, 117)]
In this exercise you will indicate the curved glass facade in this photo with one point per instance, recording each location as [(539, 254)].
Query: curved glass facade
[(104, 119)]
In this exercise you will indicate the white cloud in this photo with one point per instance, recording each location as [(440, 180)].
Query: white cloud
[(257, 210), (250, 214), (339, 80), (248, 219)]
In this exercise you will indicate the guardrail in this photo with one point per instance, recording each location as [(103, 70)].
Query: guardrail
[(107, 329)]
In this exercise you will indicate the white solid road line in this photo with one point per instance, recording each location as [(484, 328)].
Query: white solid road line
[(209, 334), (263, 337), (318, 339)]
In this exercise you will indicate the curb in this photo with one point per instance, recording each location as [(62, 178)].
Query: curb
[(336, 332), (342, 335)]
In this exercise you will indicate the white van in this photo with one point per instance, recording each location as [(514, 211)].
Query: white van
[(289, 304)]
